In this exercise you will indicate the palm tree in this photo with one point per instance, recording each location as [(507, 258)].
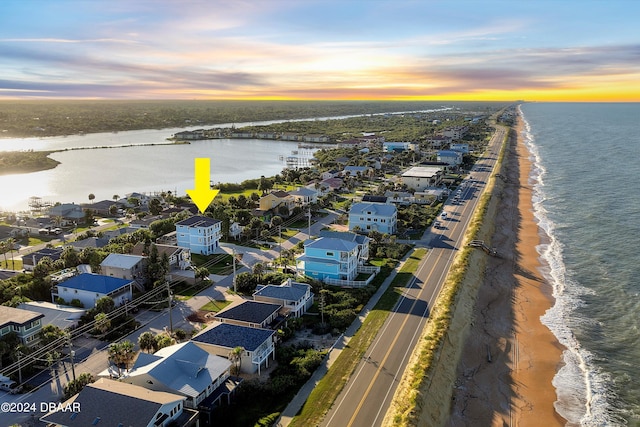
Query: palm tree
[(103, 323), (92, 197), (258, 270), (3, 249), (147, 341), (235, 357), (115, 197)]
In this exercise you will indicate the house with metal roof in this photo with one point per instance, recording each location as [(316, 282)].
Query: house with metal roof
[(368, 216), (113, 403), (179, 258), (25, 323), (200, 234), (329, 258), (124, 266), (360, 239), (254, 314), (295, 298), (222, 338), (89, 287), (184, 369)]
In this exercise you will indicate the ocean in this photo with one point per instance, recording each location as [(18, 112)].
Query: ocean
[(587, 203)]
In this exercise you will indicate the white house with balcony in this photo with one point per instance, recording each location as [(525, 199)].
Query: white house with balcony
[(294, 297), (200, 234), (368, 216), (222, 338), (422, 177)]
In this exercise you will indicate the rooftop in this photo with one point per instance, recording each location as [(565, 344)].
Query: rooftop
[(288, 291), (382, 209), (198, 221), (422, 171), (249, 311), (123, 261), (16, 316), (95, 283), (331, 244), (232, 336)]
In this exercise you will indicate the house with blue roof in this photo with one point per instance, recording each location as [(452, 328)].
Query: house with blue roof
[(368, 216), (184, 369), (221, 339), (89, 287), (329, 258), (200, 234), (295, 298), (450, 157)]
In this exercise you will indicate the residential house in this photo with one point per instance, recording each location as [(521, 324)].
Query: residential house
[(103, 207), (290, 136), (89, 287), (25, 323), (450, 157), (331, 184), (399, 197), (397, 147), (315, 138), (89, 242), (430, 195), (235, 230), (184, 369), (276, 199), (254, 314), (222, 338), (357, 171), (179, 258), (367, 216), (456, 132), (361, 239), (420, 177), (113, 403), (62, 316), (304, 196), (144, 223), (329, 258), (438, 141), (266, 135), (70, 213), (125, 266), (375, 198), (190, 135), (460, 146), (31, 260), (200, 234), (295, 298)]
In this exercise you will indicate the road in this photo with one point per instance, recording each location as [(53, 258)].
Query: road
[(367, 395)]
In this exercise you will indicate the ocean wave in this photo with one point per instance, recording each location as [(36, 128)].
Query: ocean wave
[(584, 397)]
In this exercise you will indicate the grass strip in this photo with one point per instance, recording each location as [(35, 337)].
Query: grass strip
[(330, 386)]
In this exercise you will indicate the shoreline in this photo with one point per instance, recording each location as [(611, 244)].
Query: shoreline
[(509, 358)]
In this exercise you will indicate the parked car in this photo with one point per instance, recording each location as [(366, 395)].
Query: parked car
[(10, 386)]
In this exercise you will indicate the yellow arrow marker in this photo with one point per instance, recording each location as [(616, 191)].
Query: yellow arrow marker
[(202, 195)]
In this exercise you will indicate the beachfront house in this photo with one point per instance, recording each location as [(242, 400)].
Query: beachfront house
[(88, 288), (294, 298), (24, 323), (360, 239), (254, 314), (329, 258), (367, 216), (200, 234), (222, 338)]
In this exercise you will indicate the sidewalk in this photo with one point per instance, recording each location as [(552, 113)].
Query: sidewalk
[(301, 397)]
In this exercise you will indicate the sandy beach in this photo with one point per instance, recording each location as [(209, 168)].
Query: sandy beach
[(510, 357)]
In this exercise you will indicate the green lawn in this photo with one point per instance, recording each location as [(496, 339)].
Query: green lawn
[(215, 306)]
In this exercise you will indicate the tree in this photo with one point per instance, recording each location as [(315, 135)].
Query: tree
[(163, 341), (121, 353), (155, 207), (235, 357), (202, 273), (147, 341), (74, 387), (70, 257), (115, 197), (113, 210), (258, 270), (88, 217), (105, 304), (50, 333), (92, 197), (103, 323)]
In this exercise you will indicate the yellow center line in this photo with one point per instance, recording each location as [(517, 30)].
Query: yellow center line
[(391, 348)]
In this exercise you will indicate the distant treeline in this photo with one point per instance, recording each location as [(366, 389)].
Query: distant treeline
[(25, 161), (52, 118)]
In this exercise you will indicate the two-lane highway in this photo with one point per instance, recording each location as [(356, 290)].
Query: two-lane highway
[(368, 393)]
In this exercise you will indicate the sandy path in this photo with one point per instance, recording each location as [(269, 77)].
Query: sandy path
[(514, 388)]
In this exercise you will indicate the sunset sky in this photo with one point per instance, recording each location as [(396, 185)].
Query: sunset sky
[(542, 50)]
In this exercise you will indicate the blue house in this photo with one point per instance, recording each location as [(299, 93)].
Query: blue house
[(88, 288), (329, 258), (368, 216), (294, 298), (200, 234), (360, 239)]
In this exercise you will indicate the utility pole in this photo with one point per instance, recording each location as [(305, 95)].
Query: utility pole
[(71, 354), (19, 353), (169, 300), (233, 254), (309, 214), (280, 242)]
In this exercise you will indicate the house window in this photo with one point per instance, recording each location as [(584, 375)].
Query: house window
[(329, 253)]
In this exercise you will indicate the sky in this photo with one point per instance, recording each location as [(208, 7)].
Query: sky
[(534, 50)]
